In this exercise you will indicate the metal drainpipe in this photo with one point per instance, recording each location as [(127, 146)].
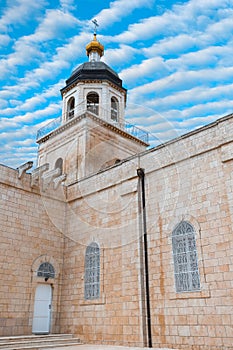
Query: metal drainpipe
[(141, 175)]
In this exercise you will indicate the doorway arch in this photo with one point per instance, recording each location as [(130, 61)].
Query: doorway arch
[(45, 272)]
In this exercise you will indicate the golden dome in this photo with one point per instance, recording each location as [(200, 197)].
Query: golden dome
[(95, 45)]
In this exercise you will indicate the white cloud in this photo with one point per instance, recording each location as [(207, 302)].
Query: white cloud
[(19, 11), (22, 127), (170, 45), (54, 25), (25, 53), (192, 16), (28, 48), (67, 5), (146, 29), (62, 59), (7, 123), (146, 68), (24, 142), (33, 102), (119, 9), (194, 96), (187, 64), (29, 117), (13, 91), (119, 55), (4, 40), (206, 109), (182, 80)]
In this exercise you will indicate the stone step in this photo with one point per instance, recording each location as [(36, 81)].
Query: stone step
[(16, 338), (37, 342), (41, 346)]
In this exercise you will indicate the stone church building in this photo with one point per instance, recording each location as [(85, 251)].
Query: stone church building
[(114, 242)]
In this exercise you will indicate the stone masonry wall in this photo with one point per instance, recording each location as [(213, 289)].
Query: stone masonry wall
[(187, 179), (196, 186), (28, 238), (104, 209)]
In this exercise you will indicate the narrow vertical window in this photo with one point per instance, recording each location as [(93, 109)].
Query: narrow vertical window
[(92, 272), (185, 258), (93, 102), (114, 109)]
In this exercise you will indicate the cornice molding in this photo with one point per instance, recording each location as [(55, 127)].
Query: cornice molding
[(91, 81), (95, 118)]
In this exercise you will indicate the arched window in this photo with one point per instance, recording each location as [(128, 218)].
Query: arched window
[(46, 270), (185, 258), (92, 272), (59, 164), (93, 102), (71, 105), (114, 109)]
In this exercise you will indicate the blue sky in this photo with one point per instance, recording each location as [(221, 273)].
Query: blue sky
[(175, 59)]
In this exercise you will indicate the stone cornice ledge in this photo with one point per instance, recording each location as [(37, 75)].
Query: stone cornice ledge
[(102, 122)]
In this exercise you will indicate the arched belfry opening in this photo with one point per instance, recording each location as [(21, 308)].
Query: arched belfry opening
[(114, 109), (93, 102), (59, 164), (70, 107)]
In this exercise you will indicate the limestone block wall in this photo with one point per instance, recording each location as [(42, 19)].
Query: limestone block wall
[(104, 209), (192, 181), (188, 179), (28, 238)]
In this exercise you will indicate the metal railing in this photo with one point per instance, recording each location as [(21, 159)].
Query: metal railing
[(46, 129), (127, 127)]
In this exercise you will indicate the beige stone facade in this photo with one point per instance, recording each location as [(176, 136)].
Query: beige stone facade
[(188, 179), (28, 238), (139, 241)]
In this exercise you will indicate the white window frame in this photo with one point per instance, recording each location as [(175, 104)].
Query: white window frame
[(92, 272), (185, 258)]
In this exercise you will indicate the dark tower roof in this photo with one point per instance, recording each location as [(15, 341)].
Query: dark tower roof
[(94, 70)]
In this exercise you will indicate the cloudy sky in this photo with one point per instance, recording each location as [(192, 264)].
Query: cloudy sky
[(175, 59)]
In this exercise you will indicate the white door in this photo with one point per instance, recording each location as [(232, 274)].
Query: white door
[(42, 309)]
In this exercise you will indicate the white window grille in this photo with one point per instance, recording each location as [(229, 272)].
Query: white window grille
[(185, 259), (92, 272)]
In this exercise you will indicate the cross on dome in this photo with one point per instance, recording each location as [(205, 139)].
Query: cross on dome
[(94, 49), (95, 24)]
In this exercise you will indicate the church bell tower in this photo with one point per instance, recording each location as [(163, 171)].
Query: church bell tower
[(92, 134), (94, 87)]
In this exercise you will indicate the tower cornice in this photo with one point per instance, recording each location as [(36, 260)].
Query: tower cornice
[(98, 120), (92, 81)]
